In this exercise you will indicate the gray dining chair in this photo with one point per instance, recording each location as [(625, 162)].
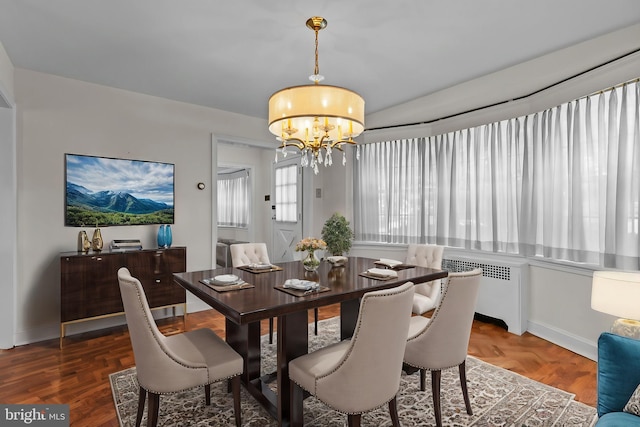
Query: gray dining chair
[(256, 253), (363, 373), (171, 364), (442, 341), (427, 294)]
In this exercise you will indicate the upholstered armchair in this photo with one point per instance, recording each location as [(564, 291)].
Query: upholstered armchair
[(363, 373), (442, 341), (618, 378), (171, 364), (427, 294)]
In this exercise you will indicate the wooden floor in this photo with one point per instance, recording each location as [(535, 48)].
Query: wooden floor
[(78, 375)]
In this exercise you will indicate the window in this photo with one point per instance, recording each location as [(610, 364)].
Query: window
[(233, 198), (563, 183), (286, 182)]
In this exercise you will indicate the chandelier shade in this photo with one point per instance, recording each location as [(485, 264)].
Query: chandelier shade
[(316, 118), (340, 112)]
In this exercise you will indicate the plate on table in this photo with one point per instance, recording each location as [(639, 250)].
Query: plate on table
[(260, 266), (226, 279)]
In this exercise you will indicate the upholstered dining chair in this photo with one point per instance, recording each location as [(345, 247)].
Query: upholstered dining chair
[(442, 341), (427, 294), (255, 253), (170, 364), (361, 374)]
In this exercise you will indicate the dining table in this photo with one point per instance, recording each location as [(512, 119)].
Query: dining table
[(263, 297)]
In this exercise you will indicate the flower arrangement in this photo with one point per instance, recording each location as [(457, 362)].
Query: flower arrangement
[(310, 244)]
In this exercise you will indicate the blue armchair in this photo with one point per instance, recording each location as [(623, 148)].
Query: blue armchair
[(618, 377)]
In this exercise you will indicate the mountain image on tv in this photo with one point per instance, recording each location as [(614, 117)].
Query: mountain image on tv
[(105, 191)]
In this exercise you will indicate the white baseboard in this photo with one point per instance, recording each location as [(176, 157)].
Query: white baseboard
[(564, 339)]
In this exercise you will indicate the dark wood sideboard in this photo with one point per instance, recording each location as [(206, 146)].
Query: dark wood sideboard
[(89, 288)]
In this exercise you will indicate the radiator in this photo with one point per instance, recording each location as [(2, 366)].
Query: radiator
[(503, 291)]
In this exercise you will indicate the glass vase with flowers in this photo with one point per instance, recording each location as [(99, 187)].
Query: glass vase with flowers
[(311, 245)]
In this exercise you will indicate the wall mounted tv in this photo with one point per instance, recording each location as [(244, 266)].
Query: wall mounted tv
[(106, 191)]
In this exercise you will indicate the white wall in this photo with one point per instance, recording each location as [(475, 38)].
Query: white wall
[(57, 116), (8, 209), (560, 307)]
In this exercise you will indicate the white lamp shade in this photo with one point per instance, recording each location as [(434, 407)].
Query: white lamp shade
[(616, 293)]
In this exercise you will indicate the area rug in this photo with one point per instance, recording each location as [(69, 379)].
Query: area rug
[(498, 398)]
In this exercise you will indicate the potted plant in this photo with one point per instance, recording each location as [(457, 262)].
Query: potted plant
[(337, 234)]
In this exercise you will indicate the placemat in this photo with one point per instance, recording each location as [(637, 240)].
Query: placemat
[(375, 276), (397, 267), (226, 288), (300, 292), (259, 270)]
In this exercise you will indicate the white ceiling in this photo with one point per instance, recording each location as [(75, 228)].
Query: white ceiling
[(232, 55)]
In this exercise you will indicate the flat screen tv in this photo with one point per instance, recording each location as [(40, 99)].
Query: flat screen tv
[(106, 191)]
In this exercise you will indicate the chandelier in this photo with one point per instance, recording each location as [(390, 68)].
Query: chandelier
[(316, 119)]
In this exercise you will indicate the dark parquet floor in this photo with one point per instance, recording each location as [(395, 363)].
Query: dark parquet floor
[(78, 374)]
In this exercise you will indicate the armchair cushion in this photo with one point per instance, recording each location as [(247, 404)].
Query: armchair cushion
[(618, 374), (617, 419)]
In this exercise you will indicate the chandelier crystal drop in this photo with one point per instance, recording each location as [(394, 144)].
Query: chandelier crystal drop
[(316, 118)]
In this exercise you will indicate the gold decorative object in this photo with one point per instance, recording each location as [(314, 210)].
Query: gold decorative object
[(316, 118), (97, 239), (83, 242)]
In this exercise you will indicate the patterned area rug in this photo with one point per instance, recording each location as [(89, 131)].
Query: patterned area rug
[(498, 398)]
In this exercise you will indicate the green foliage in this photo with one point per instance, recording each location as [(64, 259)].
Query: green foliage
[(78, 216), (337, 234)]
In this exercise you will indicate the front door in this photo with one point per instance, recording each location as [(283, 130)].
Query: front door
[(287, 216)]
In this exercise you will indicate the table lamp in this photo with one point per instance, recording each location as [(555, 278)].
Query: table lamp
[(618, 293)]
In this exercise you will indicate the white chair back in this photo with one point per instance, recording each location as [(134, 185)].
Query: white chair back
[(368, 375), (444, 341), (427, 294), (150, 349), (425, 255), (249, 253)]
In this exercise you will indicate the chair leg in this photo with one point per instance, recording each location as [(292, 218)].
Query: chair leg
[(435, 390), (463, 382), (354, 420), (141, 398), (152, 409), (393, 411), (423, 379), (271, 330), (296, 412), (315, 315), (235, 386), (207, 394)]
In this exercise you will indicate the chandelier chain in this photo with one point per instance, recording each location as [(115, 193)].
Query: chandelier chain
[(316, 70)]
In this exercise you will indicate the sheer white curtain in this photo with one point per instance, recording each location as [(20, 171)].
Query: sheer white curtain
[(233, 199), (563, 183)]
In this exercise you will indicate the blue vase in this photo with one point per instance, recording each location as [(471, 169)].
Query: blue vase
[(162, 239), (168, 238)]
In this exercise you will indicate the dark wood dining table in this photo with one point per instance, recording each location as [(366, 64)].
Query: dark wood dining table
[(245, 308)]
